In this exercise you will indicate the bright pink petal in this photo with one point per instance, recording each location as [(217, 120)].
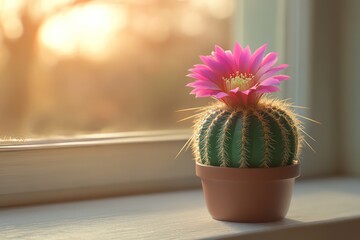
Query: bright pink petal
[(271, 72), (219, 51), (269, 60), (203, 85), (235, 90), (267, 89), (221, 95), (214, 65), (222, 57), (237, 53), (281, 77), (204, 93), (256, 59), (200, 68), (269, 82), (244, 59), (231, 61), (198, 76), (205, 72), (277, 68), (246, 92)]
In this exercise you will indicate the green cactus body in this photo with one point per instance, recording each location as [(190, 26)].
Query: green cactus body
[(265, 136)]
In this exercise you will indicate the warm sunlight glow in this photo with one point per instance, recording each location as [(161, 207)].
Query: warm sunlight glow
[(9, 20), (85, 30), (71, 67), (46, 6), (12, 27), (41, 8), (11, 6), (217, 8), (192, 24), (220, 9)]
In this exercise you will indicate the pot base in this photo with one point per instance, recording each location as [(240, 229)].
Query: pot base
[(248, 195)]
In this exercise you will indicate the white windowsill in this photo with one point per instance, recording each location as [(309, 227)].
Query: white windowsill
[(316, 205)]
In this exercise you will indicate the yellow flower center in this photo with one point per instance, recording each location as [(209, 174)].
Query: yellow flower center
[(239, 80)]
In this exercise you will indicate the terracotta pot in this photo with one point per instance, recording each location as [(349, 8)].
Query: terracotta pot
[(248, 194)]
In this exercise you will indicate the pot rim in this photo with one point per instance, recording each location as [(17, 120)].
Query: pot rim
[(246, 174)]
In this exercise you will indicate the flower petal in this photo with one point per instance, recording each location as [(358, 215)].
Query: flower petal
[(273, 71), (246, 92), (221, 95), (266, 89), (235, 90), (222, 57), (203, 85), (281, 77), (198, 76), (214, 65), (237, 53), (244, 59), (269, 82), (204, 92), (269, 60), (206, 73), (231, 61), (256, 59)]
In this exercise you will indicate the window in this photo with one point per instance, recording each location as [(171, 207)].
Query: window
[(58, 83), (113, 69), (78, 67)]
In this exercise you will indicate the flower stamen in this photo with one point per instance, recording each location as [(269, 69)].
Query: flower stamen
[(238, 80)]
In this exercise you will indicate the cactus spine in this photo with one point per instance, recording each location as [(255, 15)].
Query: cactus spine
[(262, 136)]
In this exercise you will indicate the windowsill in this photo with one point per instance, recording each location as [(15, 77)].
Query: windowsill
[(99, 165), (102, 165), (316, 204)]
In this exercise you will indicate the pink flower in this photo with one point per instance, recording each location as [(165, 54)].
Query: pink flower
[(237, 78)]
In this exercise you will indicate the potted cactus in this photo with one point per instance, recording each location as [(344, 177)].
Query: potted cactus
[(246, 146)]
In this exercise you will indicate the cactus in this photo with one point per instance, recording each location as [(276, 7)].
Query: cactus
[(243, 129), (264, 136)]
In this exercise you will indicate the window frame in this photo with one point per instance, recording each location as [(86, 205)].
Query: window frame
[(93, 166)]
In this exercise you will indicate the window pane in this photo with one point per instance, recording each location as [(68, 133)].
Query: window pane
[(73, 67)]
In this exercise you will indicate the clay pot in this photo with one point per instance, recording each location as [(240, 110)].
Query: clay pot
[(248, 194)]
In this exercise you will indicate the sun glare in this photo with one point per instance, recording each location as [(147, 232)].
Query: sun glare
[(85, 30)]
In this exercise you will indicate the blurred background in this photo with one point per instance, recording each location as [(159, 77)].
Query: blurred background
[(71, 67), (76, 66)]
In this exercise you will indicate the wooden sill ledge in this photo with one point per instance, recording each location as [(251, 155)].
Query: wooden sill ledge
[(320, 209)]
